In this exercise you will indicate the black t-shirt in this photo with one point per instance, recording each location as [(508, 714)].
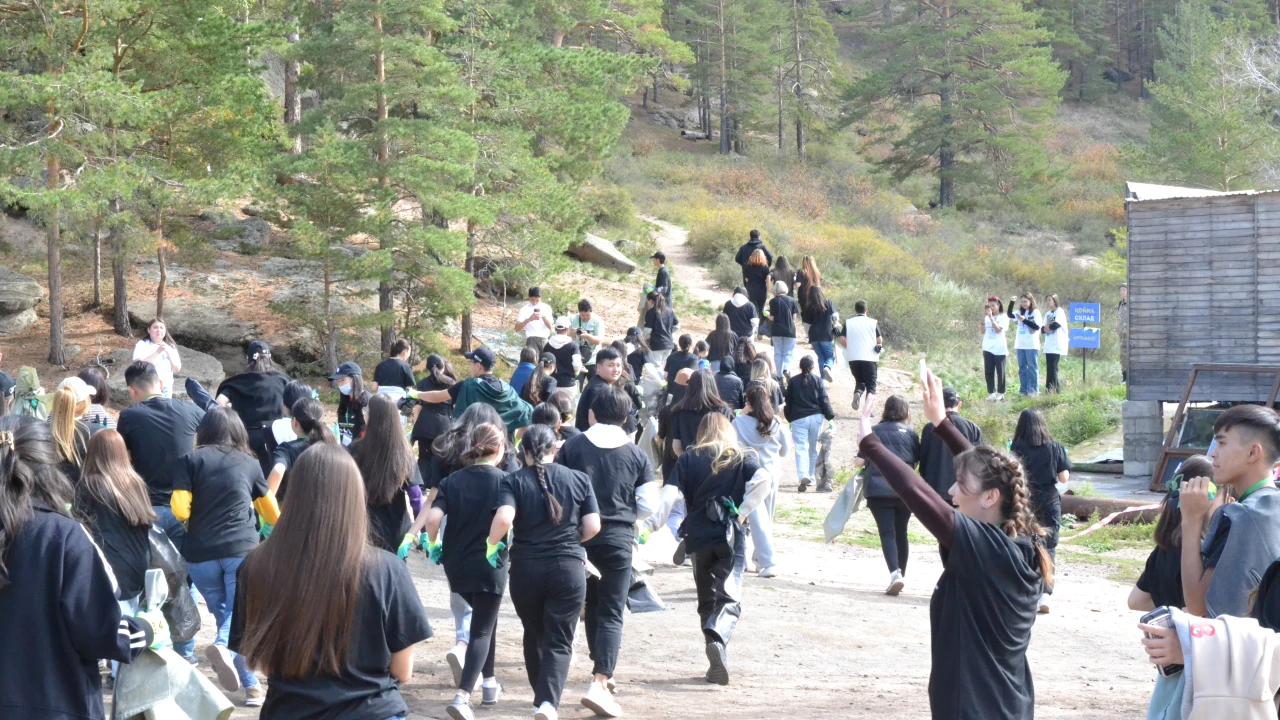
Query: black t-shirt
[(535, 535), (394, 372), (287, 454), (564, 374), (127, 548), (567, 433), (389, 617), (636, 359), (719, 347), (756, 280), (547, 387), (663, 328), (740, 317), (980, 618), (1042, 465), (82, 432), (1162, 578), (662, 282), (684, 425), (389, 523), (677, 361), (615, 474), (702, 488), (468, 499), (820, 325), (157, 432), (223, 485), (257, 397), (433, 418), (782, 320), (351, 413)]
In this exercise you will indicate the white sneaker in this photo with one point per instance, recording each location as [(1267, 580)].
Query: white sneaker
[(768, 572), (456, 658), (991, 397), (220, 659), (546, 712), (599, 701), (895, 583)]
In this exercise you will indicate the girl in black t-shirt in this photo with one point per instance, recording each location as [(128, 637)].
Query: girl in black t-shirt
[(390, 472), (353, 401), (346, 654), (721, 342), (1160, 584), (639, 354), (433, 418), (1045, 465), (681, 358), (307, 419), (661, 323), (699, 399), (552, 510), (257, 396), (755, 277), (542, 385)]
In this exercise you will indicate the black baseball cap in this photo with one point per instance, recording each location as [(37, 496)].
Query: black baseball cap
[(484, 355), (950, 398), (259, 348), (346, 369), (659, 256)]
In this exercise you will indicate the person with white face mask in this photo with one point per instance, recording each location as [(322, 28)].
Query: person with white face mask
[(353, 399)]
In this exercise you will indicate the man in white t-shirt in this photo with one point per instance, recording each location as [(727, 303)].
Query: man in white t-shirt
[(862, 346), (536, 319)]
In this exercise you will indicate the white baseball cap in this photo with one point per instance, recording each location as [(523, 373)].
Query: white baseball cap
[(81, 388)]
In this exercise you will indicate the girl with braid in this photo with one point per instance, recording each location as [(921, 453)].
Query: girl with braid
[(995, 569), (553, 511)]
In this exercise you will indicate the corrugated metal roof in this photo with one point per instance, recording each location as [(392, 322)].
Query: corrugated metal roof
[(1147, 191)]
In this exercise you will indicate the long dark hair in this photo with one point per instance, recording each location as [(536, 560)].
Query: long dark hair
[(992, 469), (486, 440), (1031, 429), (817, 298), (539, 378), (635, 336), (383, 455), (761, 404), (168, 337), (782, 272), (309, 414), (442, 372), (701, 396), (659, 302), (222, 428), (286, 572), (96, 378), (109, 478), (1168, 532), (720, 338), (355, 398), (540, 440), (745, 352), (452, 445), (28, 474), (685, 342)]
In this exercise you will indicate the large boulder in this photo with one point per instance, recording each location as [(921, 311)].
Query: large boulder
[(197, 322), (204, 369), (598, 251), (19, 296)]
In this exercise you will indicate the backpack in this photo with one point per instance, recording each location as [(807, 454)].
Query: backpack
[(28, 395)]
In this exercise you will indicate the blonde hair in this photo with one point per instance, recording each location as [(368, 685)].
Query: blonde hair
[(716, 434), (62, 423)]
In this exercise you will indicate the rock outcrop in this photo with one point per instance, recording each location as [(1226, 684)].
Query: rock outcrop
[(204, 368), (598, 251), (19, 296)]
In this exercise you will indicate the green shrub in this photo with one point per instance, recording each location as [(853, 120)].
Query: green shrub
[(609, 205)]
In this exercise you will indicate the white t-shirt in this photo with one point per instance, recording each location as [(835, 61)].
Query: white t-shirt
[(860, 333), (1056, 342), (536, 328), (993, 340), (164, 364), (1027, 338)]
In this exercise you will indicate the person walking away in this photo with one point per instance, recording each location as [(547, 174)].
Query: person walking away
[(759, 429), (1160, 584), (807, 279), (552, 511), (749, 248), (782, 273), (807, 405), (353, 401), (282, 428), (1244, 536), (257, 396), (681, 358), (309, 428), (622, 481), (890, 513), (755, 278), (393, 376), (59, 613), (1055, 342), (638, 354), (1027, 342), (660, 324), (720, 483), (217, 487), (937, 465), (994, 570), (548, 413), (662, 282), (70, 427), (434, 418), (701, 397), (744, 318), (364, 616), (822, 320), (520, 376), (390, 475), (568, 357), (762, 375), (730, 386), (863, 344), (720, 342), (1047, 469), (1122, 331), (484, 387), (93, 376), (995, 347), (588, 327), (784, 316), (542, 383), (159, 349), (535, 319)]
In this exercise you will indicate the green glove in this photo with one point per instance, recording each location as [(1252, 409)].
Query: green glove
[(731, 506), (406, 545), (434, 550), (265, 531), (412, 393), (491, 552), (159, 628), (644, 535), (831, 424)]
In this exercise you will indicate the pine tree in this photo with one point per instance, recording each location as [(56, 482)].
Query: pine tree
[(810, 66), (1081, 44)]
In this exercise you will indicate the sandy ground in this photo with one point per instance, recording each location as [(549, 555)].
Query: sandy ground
[(821, 640)]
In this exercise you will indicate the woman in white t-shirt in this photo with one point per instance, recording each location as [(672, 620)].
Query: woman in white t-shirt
[(1023, 312), (995, 348), (1055, 342), (159, 349)]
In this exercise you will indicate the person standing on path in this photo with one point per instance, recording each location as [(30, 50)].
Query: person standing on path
[(784, 316), (760, 430), (807, 405), (995, 347), (744, 317), (890, 513), (731, 388), (353, 401), (535, 319), (307, 418), (937, 466), (483, 387), (588, 328), (393, 375), (1122, 332), (390, 474), (662, 283), (1055, 342), (160, 349), (743, 257), (569, 361), (862, 344), (721, 342), (1027, 343), (806, 279), (433, 418)]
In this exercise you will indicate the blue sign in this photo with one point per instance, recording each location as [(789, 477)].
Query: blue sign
[(1089, 338), (1086, 313)]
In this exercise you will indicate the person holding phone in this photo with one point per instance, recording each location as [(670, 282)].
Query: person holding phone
[(995, 347), (1023, 311), (535, 320)]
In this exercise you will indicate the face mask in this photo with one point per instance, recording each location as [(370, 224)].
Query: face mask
[(345, 388)]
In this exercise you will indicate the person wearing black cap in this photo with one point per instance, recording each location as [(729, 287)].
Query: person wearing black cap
[(749, 247), (484, 387), (353, 400), (535, 319), (257, 396), (937, 465), (662, 283)]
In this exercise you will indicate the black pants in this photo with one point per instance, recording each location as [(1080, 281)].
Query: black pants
[(548, 594), (891, 517), (865, 374), (484, 626), (260, 441), (717, 575), (1048, 510), (424, 460), (606, 599), (994, 367), (1051, 362)]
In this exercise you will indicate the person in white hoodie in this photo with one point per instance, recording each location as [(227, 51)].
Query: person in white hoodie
[(760, 429), (568, 354), (1055, 334), (744, 317)]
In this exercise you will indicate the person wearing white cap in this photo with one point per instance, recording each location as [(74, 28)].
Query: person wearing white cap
[(71, 432), (568, 356)]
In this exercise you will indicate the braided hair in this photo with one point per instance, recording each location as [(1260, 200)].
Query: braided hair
[(538, 441), (991, 469)]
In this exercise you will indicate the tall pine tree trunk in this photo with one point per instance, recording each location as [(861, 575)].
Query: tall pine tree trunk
[(724, 81), (386, 303), (330, 328), (946, 154), (54, 239), (801, 146), (782, 79), (119, 284), (292, 76), (163, 264), (470, 267), (97, 264)]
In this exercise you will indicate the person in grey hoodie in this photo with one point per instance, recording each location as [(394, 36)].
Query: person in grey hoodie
[(760, 429)]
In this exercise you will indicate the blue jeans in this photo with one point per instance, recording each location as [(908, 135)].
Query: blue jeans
[(826, 352), (805, 434), (1029, 372), (783, 349), (216, 580), (461, 618), (177, 534)]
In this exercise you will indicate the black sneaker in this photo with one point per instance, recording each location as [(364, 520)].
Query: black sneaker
[(857, 400), (804, 485), (679, 556), (718, 673)]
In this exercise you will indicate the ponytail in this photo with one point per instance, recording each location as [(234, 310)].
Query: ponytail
[(539, 440), (996, 470), (28, 474), (62, 423), (486, 440), (309, 414)]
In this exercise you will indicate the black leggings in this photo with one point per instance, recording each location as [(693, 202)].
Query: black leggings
[(606, 601), (548, 594), (484, 637), (717, 576), (891, 517), (1051, 362), (994, 366)]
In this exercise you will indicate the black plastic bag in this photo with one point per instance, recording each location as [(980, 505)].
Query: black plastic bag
[(180, 611)]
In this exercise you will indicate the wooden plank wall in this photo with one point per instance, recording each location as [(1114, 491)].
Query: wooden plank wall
[(1204, 275)]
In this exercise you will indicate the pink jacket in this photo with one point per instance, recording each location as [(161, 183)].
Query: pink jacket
[(1232, 668)]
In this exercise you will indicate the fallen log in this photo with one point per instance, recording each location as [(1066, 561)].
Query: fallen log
[(1084, 507)]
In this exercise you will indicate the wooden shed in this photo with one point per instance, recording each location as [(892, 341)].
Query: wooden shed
[(1204, 287)]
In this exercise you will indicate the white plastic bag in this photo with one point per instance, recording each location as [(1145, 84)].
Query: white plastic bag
[(847, 503)]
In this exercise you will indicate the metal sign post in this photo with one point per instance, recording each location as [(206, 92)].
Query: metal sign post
[(1085, 338)]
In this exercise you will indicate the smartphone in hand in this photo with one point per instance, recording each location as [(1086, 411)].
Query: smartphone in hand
[(1161, 617)]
